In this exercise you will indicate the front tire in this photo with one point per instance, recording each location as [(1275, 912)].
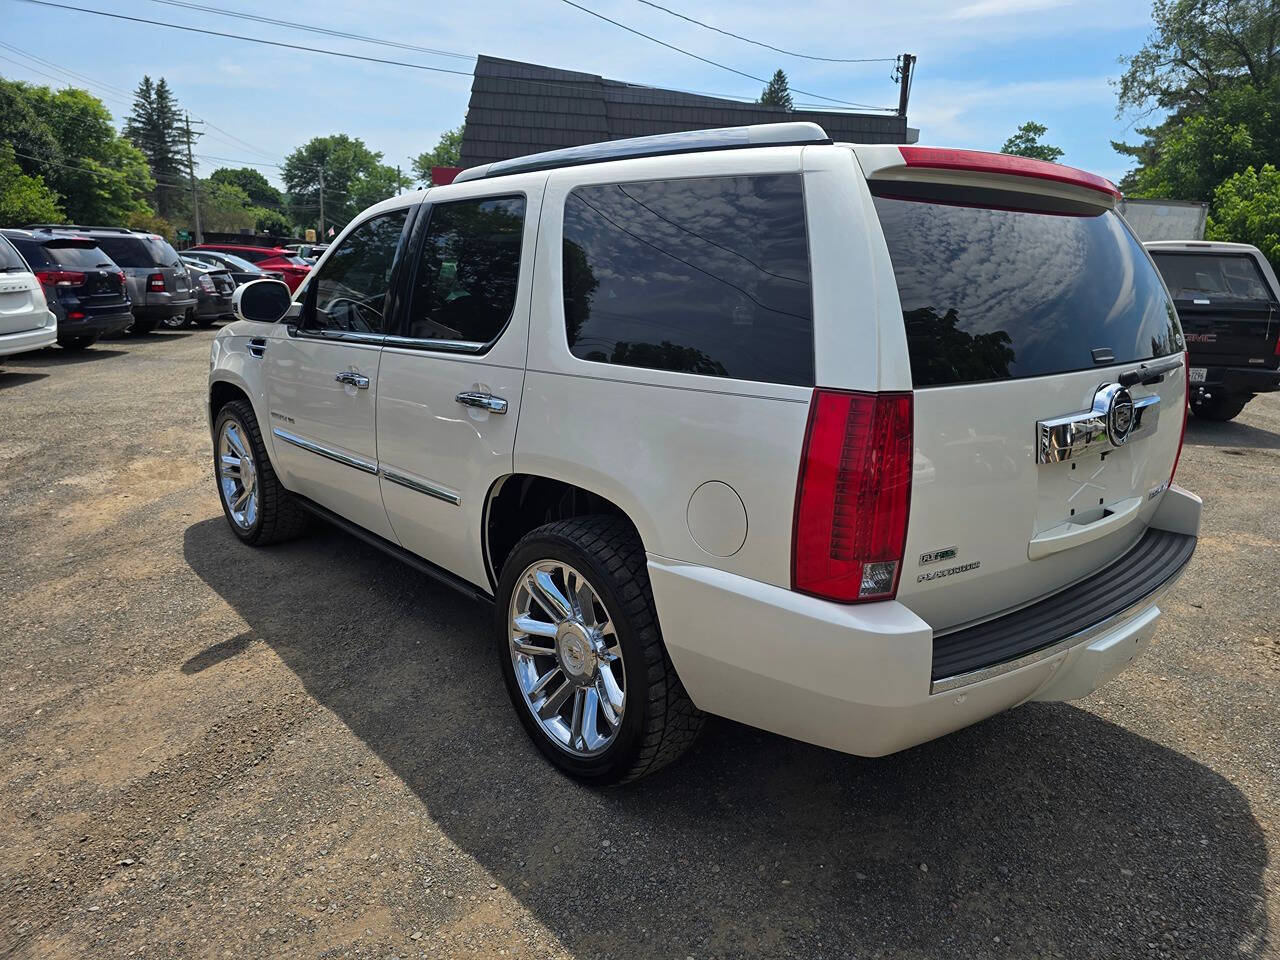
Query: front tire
[(258, 509), (582, 655)]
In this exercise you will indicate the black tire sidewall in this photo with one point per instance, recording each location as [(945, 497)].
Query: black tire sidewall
[(618, 759), (233, 412)]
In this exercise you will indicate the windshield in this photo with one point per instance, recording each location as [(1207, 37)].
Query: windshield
[(996, 294), (10, 261), (1212, 276)]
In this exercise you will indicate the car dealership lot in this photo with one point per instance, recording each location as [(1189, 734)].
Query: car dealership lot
[(209, 750)]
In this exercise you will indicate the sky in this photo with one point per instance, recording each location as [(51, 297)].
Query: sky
[(984, 67)]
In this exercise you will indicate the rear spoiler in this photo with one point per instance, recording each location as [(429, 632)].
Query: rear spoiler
[(977, 167)]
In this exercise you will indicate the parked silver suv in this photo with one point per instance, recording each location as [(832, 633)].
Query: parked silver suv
[(158, 281)]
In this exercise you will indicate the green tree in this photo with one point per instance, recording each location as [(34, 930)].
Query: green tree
[(354, 178), (1212, 67), (447, 153), (23, 198), (1026, 143), (155, 126), (1246, 209), (260, 191), (225, 208), (105, 180), (272, 222), (26, 131), (777, 93)]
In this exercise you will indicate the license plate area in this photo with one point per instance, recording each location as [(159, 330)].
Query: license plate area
[(1198, 374)]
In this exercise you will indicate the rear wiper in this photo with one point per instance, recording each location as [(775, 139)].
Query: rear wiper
[(1150, 373)]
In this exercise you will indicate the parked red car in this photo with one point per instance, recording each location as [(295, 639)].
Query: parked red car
[(278, 259)]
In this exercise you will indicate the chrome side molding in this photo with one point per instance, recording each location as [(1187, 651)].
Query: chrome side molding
[(422, 486), (1114, 419), (335, 455)]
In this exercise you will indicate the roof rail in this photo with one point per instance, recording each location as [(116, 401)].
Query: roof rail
[(75, 226), (797, 133)]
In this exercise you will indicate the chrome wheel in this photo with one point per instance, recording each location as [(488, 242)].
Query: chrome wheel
[(237, 477), (567, 659)]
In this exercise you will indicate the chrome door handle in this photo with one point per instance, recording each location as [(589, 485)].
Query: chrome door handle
[(356, 380), (485, 401)]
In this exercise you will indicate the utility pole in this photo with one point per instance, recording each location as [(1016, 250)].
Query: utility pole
[(398, 190), (195, 198), (320, 235), (906, 62)]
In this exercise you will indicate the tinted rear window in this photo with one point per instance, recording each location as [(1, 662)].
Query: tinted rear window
[(77, 256), (129, 251), (32, 252), (706, 276), (1213, 277), (998, 294), (9, 258)]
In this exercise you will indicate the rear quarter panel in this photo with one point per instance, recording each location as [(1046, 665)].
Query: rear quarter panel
[(648, 439)]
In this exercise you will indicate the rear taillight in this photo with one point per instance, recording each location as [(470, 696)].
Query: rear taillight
[(60, 278), (75, 314), (853, 496), (155, 283), (206, 283), (1186, 406)]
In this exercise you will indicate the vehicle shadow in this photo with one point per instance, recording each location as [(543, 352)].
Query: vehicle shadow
[(1045, 831), (1233, 433), (8, 379), (58, 357)]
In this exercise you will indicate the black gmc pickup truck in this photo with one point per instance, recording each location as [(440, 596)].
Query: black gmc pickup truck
[(1229, 303)]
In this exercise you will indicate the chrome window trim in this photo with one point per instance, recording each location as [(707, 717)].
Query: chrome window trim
[(1078, 638), (336, 455), (422, 486), (342, 336), (445, 346)]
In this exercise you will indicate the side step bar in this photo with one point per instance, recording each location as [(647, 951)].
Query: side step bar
[(439, 574)]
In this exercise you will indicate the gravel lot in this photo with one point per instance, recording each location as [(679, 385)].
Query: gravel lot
[(208, 750)]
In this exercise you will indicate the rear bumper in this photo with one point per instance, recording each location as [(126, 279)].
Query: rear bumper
[(95, 324), (33, 339), (1239, 379), (214, 307), (860, 678), (160, 306)]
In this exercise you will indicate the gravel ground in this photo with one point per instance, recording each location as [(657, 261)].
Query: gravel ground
[(208, 750)]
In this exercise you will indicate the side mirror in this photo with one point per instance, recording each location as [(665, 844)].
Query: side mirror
[(265, 301)]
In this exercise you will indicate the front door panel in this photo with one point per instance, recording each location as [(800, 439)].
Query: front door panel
[(323, 431)]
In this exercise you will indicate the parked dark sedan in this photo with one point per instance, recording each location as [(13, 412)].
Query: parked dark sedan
[(242, 271), (213, 286), (84, 288)]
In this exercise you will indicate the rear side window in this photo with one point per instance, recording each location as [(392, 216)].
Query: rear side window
[(707, 276), (999, 294), (1212, 277), (465, 285), (32, 252), (129, 251), (9, 258)]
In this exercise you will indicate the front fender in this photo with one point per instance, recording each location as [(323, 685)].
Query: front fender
[(230, 363)]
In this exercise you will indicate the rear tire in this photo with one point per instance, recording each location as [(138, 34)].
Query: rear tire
[(205, 322), (76, 344), (141, 326), (273, 515), (1220, 409), (178, 321), (613, 627)]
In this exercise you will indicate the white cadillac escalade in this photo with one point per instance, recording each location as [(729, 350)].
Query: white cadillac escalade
[(857, 444)]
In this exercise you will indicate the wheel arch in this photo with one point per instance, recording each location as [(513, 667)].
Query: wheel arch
[(520, 502), (226, 387)]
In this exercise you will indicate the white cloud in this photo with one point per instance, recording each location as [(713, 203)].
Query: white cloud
[(1003, 8)]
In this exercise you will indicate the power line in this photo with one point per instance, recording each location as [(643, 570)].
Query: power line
[(577, 85), (758, 43), (236, 36), (687, 53), (121, 96), (314, 29)]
